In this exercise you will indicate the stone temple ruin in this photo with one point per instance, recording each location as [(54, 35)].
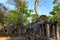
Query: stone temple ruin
[(41, 29)]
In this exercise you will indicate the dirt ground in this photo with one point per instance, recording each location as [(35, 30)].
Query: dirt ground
[(4, 38)]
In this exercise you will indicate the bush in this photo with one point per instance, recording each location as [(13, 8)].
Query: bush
[(58, 22)]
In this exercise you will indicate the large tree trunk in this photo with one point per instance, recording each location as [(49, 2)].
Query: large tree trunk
[(35, 5), (20, 13), (20, 22)]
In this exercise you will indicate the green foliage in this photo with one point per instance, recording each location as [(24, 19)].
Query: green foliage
[(26, 14), (56, 13), (55, 8), (52, 18), (13, 16), (52, 13), (58, 22), (1, 17), (21, 6), (33, 17), (23, 11)]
